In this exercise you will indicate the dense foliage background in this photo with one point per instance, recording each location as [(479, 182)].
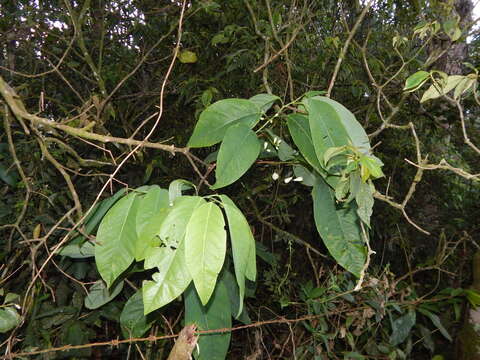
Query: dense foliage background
[(104, 68)]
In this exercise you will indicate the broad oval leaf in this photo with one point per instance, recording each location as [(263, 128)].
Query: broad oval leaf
[(9, 318), (116, 239), (169, 283), (173, 276), (239, 150), (132, 319), (243, 246), (355, 131), (339, 229), (401, 328), (205, 248), (153, 208), (218, 117), (99, 294), (215, 315), (264, 101)]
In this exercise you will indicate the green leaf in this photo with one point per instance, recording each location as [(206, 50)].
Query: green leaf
[(416, 80), (187, 57), (215, 315), (99, 294), (325, 126), (300, 131), (370, 167), (452, 30), (284, 151), (364, 199), (243, 246), (177, 187), (355, 132), (401, 328), (339, 228), (9, 318), (173, 276), (78, 251), (116, 239), (153, 208), (264, 101), (218, 117), (102, 207), (436, 321), (132, 319), (9, 177), (238, 151), (236, 302), (307, 178), (205, 248)]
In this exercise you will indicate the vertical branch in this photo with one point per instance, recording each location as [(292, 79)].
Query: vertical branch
[(16, 161), (343, 52)]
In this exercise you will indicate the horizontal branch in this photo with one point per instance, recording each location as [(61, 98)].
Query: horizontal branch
[(15, 104)]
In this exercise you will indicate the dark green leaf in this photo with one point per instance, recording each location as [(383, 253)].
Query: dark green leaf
[(215, 315), (99, 294), (239, 150), (132, 319), (300, 131), (339, 228), (436, 321), (401, 328), (218, 117)]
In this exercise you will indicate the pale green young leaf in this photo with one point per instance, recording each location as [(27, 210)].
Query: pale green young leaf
[(205, 248), (187, 57), (433, 92), (238, 151), (243, 246), (218, 117), (364, 199), (463, 86), (116, 239), (177, 187), (215, 315), (338, 228)]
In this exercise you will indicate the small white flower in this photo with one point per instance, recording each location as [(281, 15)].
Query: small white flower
[(275, 176), (298, 179), (265, 144), (288, 179)]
